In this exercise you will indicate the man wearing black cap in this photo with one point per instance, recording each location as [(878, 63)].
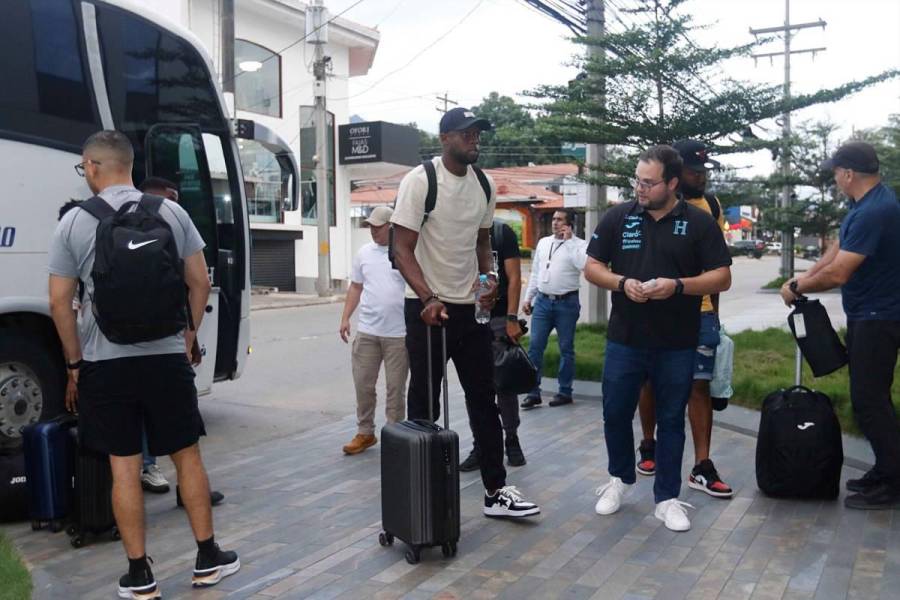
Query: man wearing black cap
[(704, 476), (865, 264), (441, 245)]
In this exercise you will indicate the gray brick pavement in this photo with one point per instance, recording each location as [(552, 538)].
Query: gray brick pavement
[(305, 520)]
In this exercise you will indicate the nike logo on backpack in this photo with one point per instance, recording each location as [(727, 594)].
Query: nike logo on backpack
[(133, 246), (805, 426)]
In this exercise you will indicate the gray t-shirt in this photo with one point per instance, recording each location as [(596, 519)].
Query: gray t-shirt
[(72, 255)]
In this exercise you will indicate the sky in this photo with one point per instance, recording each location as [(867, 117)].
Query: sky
[(469, 48)]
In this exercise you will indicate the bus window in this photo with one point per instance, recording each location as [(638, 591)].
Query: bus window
[(176, 152), (44, 93)]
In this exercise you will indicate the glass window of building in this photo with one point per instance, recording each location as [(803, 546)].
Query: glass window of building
[(264, 184), (257, 80)]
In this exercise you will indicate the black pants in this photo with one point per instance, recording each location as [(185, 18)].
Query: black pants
[(872, 347), (469, 347)]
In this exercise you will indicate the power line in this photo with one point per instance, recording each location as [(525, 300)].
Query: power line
[(417, 55)]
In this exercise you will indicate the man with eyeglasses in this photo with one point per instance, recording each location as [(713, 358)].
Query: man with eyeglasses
[(440, 255), (122, 389), (659, 256), (704, 476), (865, 264)]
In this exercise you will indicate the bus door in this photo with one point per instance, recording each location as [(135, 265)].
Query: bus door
[(176, 152)]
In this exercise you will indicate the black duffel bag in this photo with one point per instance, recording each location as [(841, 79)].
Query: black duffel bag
[(13, 488), (514, 373), (819, 342), (799, 451)]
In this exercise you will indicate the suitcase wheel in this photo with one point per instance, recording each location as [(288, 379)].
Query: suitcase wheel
[(71, 530), (56, 526), (412, 555), (77, 541), (448, 549), (385, 539), (36, 526)]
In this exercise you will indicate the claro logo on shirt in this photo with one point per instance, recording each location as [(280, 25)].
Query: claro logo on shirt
[(631, 233)]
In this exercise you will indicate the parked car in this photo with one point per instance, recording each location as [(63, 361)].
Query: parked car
[(810, 252), (754, 248), (773, 247)]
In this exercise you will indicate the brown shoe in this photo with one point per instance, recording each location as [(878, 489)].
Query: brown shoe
[(359, 443)]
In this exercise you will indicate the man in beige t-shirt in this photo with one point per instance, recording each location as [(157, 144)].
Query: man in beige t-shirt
[(440, 254)]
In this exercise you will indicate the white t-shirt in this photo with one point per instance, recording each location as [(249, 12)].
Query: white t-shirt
[(446, 249), (381, 304)]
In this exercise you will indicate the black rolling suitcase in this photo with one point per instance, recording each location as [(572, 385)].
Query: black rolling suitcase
[(799, 449), (92, 513), (420, 478)]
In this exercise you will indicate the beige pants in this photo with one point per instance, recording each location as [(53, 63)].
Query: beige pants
[(369, 351)]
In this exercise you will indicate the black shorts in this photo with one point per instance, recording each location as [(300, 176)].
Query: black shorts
[(119, 399)]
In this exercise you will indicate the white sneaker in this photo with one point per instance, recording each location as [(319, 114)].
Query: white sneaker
[(611, 495), (153, 480), (672, 512)]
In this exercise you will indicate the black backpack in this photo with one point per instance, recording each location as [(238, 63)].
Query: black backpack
[(799, 450), (431, 198), (139, 288)]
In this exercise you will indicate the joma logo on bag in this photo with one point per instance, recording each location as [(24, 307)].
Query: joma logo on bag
[(17, 480), (805, 426)]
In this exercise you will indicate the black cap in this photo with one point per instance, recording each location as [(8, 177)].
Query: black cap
[(856, 156), (694, 155), (459, 119)]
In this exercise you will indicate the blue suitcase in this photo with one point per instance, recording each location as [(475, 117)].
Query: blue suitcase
[(49, 461)]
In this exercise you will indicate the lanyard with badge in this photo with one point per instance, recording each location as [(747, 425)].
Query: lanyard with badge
[(545, 278)]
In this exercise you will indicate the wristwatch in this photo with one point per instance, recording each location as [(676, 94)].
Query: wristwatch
[(74, 366), (793, 287), (679, 287), (622, 283), (512, 318), (430, 299), (492, 274)]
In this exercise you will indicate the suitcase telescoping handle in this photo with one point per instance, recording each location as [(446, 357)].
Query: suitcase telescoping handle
[(443, 379), (798, 356)]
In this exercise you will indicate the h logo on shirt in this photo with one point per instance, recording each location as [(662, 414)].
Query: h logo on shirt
[(680, 227)]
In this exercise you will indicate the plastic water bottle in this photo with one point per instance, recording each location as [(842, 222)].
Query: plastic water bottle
[(482, 315)]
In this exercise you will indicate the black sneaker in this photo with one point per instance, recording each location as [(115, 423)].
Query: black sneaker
[(865, 483), (210, 570), (508, 502), (560, 400), (214, 498), (647, 464), (880, 497), (471, 462), (531, 401), (142, 587), (514, 455), (705, 478)]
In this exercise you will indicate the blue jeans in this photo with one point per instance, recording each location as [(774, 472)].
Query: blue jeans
[(624, 372), (562, 315), (149, 459)]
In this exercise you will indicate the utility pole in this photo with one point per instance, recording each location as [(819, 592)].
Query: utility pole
[(597, 299), (228, 46), (447, 102), (787, 237), (317, 34)]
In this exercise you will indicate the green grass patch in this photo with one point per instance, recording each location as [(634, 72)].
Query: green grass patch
[(775, 284), (15, 582), (763, 362)]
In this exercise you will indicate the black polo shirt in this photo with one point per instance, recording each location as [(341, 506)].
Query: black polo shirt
[(684, 243)]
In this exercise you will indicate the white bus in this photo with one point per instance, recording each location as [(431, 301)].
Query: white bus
[(69, 69)]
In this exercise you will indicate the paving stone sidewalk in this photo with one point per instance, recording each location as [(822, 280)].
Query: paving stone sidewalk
[(305, 520)]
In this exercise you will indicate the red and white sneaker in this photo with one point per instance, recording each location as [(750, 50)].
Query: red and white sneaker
[(705, 478), (647, 464)]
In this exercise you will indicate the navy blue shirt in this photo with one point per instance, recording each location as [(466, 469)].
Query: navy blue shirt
[(872, 228)]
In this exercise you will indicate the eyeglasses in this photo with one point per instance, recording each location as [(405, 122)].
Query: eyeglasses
[(643, 184), (79, 168)]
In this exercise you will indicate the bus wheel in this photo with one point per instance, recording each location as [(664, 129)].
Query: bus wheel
[(31, 384)]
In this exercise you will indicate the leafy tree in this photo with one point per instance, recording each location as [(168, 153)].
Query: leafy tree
[(887, 144), (658, 85)]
